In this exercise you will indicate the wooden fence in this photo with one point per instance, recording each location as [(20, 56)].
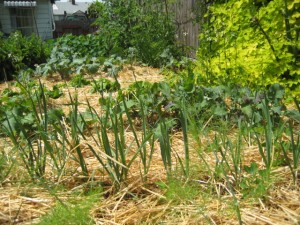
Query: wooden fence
[(184, 17), (187, 27), (185, 14)]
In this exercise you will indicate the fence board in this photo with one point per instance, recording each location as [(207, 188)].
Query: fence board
[(187, 28), (184, 17)]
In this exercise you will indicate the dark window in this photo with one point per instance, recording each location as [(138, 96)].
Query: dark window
[(23, 19)]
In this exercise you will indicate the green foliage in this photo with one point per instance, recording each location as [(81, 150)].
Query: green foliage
[(178, 191), (25, 119), (250, 43), (16, 105), (256, 184), (54, 93), (73, 54), (71, 213), (79, 81), (19, 52), (104, 85), (144, 26)]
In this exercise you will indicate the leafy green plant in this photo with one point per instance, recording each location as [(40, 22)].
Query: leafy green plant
[(29, 130), (104, 85), (29, 133), (19, 52), (122, 26), (54, 93), (255, 183), (73, 54), (79, 81), (250, 43)]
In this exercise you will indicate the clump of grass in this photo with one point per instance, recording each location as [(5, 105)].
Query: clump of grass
[(73, 212), (178, 191)]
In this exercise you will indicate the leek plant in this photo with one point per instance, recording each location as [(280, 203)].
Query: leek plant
[(75, 132), (184, 123), (147, 134), (266, 150), (32, 141), (109, 144), (228, 166), (293, 145), (162, 133)]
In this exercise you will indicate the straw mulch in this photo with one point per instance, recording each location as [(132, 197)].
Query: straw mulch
[(141, 201), (145, 203), (20, 205)]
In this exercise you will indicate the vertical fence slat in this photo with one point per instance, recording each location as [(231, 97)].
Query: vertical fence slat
[(187, 28)]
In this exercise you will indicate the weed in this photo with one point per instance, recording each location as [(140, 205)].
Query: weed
[(104, 85), (70, 214), (79, 81), (178, 191)]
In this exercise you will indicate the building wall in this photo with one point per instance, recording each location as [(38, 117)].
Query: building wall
[(43, 19), (4, 18), (58, 17)]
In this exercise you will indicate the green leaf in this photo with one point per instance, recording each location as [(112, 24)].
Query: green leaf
[(252, 169), (28, 119), (92, 68), (247, 110), (294, 114), (220, 111)]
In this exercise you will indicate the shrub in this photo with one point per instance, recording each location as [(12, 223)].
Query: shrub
[(144, 26), (251, 42), (19, 52), (72, 54)]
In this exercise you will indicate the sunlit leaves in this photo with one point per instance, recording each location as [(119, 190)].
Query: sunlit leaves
[(247, 42)]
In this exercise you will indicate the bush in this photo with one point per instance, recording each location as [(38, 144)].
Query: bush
[(250, 43), (73, 54), (19, 52), (145, 27)]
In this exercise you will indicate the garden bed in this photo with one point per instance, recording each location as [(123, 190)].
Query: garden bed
[(160, 196)]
